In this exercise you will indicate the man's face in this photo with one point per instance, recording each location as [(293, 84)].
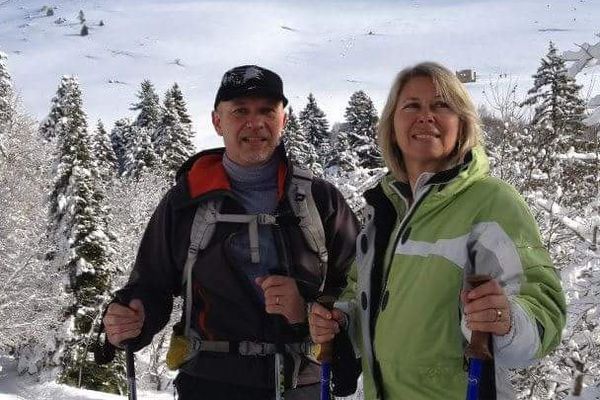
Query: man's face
[(251, 128)]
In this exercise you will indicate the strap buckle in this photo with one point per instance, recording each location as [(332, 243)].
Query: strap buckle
[(247, 348), (266, 219)]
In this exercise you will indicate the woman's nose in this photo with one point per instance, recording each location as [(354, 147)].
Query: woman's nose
[(425, 116)]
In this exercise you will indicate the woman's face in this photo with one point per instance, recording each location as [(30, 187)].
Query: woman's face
[(425, 126)]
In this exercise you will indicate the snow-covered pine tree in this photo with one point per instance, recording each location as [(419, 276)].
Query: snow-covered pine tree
[(361, 126), (180, 105), (6, 94), (120, 137), (148, 106), (316, 129), (78, 225), (556, 125), (172, 139), (105, 154), (299, 149), (140, 156), (52, 124), (343, 157)]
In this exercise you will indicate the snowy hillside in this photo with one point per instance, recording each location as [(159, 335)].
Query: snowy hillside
[(328, 48)]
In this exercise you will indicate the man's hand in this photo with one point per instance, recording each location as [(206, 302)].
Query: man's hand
[(122, 323), (324, 324), (282, 297), (487, 308)]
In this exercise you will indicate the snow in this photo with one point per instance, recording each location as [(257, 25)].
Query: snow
[(194, 43), (14, 387)]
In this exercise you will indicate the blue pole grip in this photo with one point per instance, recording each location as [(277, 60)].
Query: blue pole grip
[(475, 368), (325, 381)]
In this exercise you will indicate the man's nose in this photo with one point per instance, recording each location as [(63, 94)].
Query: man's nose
[(255, 121)]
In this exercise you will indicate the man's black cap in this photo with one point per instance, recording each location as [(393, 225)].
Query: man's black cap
[(250, 80)]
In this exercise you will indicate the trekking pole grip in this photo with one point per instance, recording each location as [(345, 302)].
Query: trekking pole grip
[(326, 349), (129, 359), (479, 347), (325, 355)]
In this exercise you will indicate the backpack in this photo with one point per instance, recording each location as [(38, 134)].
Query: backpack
[(207, 215)]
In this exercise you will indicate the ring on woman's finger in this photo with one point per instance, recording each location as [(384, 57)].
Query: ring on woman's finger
[(498, 315), (277, 300)]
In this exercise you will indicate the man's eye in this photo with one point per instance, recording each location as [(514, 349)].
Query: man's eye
[(268, 112), (240, 111)]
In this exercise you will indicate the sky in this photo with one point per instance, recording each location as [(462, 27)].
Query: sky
[(328, 48)]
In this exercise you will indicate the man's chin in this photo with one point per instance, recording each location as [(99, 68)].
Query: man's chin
[(258, 159)]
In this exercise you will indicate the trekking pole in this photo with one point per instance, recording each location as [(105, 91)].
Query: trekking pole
[(478, 351), (279, 349), (326, 354), (130, 368), (129, 360)]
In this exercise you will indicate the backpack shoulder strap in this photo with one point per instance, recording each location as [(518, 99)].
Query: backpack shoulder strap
[(304, 207), (203, 228)]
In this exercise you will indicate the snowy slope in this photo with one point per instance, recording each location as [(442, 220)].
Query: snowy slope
[(330, 48)]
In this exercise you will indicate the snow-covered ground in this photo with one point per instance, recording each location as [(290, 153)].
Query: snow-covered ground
[(14, 387), (329, 48)]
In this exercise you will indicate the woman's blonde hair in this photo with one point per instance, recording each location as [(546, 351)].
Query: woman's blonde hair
[(452, 92)]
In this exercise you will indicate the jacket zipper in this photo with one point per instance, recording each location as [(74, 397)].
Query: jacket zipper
[(403, 225)]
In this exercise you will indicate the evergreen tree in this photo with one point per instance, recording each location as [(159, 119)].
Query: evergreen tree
[(557, 123), (107, 160), (343, 157), (120, 136), (81, 17), (148, 106), (79, 227), (299, 149), (84, 30), (172, 140), (53, 124), (316, 129), (180, 105), (361, 126), (140, 156), (6, 92)]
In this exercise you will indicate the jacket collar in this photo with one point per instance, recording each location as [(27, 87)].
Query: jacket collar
[(473, 166), (203, 175)]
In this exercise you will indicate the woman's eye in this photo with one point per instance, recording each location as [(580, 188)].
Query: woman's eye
[(441, 104), (410, 105)]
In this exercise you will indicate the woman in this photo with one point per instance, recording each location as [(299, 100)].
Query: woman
[(435, 219)]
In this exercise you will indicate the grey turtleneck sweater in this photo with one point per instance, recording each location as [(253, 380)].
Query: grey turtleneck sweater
[(256, 188)]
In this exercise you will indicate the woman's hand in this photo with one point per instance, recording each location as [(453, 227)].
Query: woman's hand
[(487, 308), (324, 324)]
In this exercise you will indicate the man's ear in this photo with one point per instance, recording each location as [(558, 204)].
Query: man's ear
[(285, 121), (216, 121)]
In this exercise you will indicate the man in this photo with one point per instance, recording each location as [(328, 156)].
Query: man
[(257, 268)]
